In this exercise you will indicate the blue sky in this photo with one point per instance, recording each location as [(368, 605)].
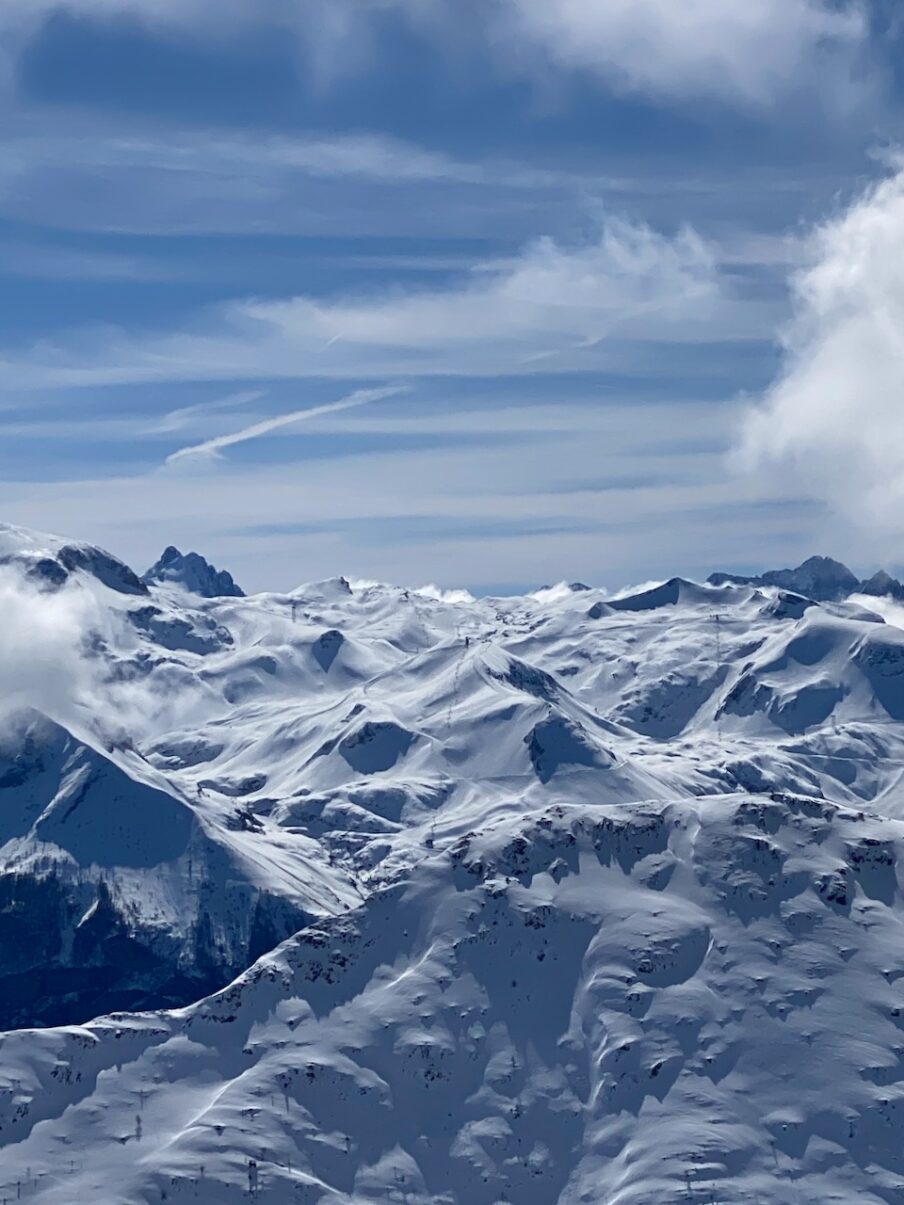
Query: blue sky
[(597, 289)]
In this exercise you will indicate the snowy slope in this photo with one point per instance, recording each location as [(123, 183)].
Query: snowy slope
[(689, 1001), (600, 893), (116, 892)]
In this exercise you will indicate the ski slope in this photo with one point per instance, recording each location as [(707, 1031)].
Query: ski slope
[(562, 898)]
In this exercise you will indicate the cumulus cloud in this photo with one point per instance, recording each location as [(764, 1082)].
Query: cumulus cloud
[(833, 421)]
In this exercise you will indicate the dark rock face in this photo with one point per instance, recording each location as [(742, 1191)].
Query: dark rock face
[(106, 568), (819, 578), (883, 585), (666, 595), (203, 636), (47, 572), (50, 572), (111, 964), (326, 648), (375, 746), (558, 742), (76, 833), (194, 573)]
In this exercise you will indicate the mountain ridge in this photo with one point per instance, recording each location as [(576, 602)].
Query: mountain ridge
[(820, 578), (561, 897)]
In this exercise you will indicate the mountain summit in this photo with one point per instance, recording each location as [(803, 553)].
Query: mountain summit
[(819, 577), (191, 571)]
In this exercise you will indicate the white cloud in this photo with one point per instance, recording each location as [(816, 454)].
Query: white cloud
[(747, 49), (120, 175), (446, 596), (552, 594), (553, 308), (139, 179), (42, 658), (186, 416), (833, 422), (890, 610), (336, 155), (47, 662), (212, 447)]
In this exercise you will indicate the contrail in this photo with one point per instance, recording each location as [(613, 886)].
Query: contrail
[(211, 447)]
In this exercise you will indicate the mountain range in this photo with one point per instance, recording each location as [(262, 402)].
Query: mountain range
[(819, 578), (365, 894)]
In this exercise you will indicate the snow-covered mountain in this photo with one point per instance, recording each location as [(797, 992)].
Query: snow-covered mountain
[(584, 898), (820, 578), (191, 571)]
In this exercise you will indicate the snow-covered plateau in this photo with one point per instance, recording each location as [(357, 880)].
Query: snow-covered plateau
[(401, 896)]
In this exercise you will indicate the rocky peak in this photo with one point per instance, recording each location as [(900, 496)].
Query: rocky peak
[(192, 572)]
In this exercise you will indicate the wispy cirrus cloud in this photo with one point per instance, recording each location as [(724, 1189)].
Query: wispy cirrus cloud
[(552, 308), (106, 177), (335, 155), (212, 447), (188, 416)]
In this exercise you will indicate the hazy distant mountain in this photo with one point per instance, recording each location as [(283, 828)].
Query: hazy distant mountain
[(819, 578)]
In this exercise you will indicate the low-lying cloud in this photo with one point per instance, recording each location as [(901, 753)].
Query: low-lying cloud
[(45, 637), (67, 653)]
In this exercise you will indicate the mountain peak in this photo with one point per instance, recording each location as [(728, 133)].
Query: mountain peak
[(826, 566), (820, 578), (194, 573), (883, 585), (49, 561)]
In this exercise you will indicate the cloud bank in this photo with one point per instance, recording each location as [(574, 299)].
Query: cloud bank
[(833, 422)]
